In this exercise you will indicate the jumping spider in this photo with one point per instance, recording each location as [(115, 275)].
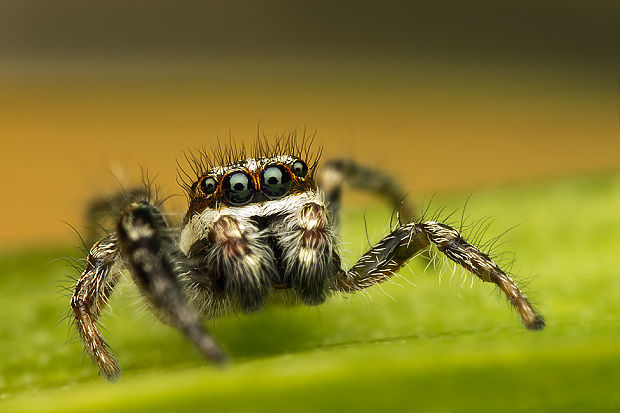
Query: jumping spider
[(255, 227)]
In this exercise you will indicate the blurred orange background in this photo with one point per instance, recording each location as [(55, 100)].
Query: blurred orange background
[(445, 96)]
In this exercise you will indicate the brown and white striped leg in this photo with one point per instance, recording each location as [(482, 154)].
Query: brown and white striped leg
[(156, 264), (90, 296), (335, 173), (391, 253)]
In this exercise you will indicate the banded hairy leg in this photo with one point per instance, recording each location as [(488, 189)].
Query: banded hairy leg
[(156, 265), (394, 250), (337, 173), (144, 242), (90, 297)]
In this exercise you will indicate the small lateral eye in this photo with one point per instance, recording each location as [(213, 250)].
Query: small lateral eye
[(275, 181), (208, 185), (299, 168), (238, 188)]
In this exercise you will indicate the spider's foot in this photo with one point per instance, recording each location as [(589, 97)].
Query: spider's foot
[(110, 369), (212, 351), (536, 323)]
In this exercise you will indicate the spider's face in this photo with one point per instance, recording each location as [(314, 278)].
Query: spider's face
[(259, 189), (259, 225)]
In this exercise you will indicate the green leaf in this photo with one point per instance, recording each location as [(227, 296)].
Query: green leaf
[(432, 346)]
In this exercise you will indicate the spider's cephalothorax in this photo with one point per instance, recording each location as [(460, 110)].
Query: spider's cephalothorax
[(255, 227), (259, 225)]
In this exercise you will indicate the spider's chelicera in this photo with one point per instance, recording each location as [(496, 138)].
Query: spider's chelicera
[(255, 227)]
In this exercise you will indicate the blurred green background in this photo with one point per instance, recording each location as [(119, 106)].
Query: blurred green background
[(515, 102)]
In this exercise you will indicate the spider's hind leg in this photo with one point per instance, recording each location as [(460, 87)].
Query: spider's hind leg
[(336, 173), (395, 249)]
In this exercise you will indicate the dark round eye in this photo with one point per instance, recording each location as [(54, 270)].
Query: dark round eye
[(299, 168), (208, 185), (238, 188), (275, 181)]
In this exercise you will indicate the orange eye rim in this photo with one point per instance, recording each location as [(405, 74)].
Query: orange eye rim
[(227, 195), (285, 172), (202, 187)]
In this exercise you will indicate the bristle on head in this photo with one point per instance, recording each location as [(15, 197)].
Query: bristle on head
[(200, 161)]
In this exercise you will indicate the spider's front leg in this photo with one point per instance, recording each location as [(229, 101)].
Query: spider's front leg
[(144, 242), (156, 263), (394, 250)]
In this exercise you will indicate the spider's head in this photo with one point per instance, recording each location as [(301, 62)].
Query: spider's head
[(259, 190)]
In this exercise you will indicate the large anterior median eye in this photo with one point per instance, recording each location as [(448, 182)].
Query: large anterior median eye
[(275, 181), (299, 168), (238, 188), (208, 185)]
